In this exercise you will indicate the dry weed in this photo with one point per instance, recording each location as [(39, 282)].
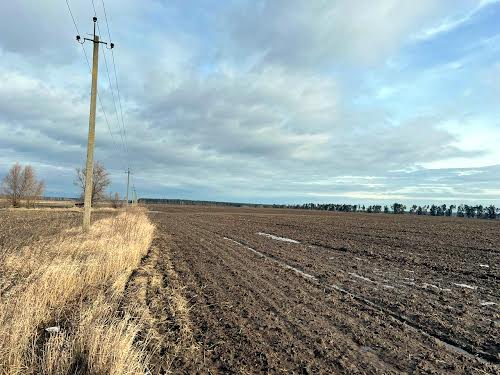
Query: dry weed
[(74, 282)]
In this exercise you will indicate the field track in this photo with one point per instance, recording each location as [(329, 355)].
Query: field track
[(337, 293)]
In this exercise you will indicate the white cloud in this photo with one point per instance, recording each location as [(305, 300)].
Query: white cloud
[(323, 33), (252, 111), (385, 92), (449, 24)]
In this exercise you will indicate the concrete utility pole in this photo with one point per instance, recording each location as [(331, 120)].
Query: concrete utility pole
[(89, 168), (128, 182)]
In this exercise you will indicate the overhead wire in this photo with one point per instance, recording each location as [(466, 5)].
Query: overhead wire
[(73, 18), (123, 133), (121, 126), (90, 70), (114, 101), (124, 128), (116, 76)]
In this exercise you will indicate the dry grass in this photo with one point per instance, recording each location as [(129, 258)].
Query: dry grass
[(73, 281), (61, 209)]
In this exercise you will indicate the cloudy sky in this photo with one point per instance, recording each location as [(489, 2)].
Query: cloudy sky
[(261, 101)]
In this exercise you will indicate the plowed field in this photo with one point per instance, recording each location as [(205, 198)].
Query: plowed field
[(277, 291), (245, 291)]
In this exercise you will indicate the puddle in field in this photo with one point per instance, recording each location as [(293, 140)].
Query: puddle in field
[(277, 238), (466, 286)]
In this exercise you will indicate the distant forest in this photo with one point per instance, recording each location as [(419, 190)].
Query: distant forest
[(463, 210)]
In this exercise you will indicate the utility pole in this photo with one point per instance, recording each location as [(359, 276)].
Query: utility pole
[(133, 195), (89, 168), (128, 182)]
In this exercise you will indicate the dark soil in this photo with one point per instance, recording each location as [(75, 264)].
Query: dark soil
[(383, 298)]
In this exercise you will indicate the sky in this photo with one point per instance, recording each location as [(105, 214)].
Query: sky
[(278, 101)]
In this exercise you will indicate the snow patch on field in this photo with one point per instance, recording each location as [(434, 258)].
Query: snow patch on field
[(370, 303), (427, 285), (301, 273), (277, 238), (284, 265), (488, 303), (248, 247), (466, 286), (410, 283), (424, 286), (484, 266), (361, 277)]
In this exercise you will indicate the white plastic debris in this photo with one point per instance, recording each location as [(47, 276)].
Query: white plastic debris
[(55, 329)]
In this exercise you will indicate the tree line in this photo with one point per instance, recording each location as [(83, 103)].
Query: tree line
[(463, 210), (21, 184)]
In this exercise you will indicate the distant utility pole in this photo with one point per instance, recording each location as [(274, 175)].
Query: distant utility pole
[(89, 170), (128, 181), (134, 196)]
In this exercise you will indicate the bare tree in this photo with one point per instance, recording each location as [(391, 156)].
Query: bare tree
[(21, 183), (100, 181), (11, 185), (33, 189), (116, 201)]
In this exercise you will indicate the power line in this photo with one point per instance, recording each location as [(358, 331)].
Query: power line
[(73, 18), (93, 6), (100, 100), (119, 100), (114, 101), (90, 70), (123, 133), (106, 19), (109, 79), (116, 76)]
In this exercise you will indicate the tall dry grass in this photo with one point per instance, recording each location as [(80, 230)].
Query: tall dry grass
[(74, 281)]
